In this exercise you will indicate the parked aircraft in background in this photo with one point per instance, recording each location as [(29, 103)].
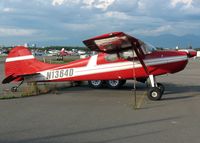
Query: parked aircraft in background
[(198, 54), (121, 57), (53, 52), (81, 52), (63, 52)]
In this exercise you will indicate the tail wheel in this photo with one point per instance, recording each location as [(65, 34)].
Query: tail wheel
[(161, 87), (95, 83), (154, 93), (114, 84), (14, 89)]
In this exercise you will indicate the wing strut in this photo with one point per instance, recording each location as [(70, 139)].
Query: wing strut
[(140, 54)]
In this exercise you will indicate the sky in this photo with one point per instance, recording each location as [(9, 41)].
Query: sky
[(53, 22)]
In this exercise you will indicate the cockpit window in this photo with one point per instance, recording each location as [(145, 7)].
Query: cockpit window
[(127, 54), (111, 57), (146, 47)]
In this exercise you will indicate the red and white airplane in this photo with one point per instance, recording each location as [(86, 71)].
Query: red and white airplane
[(63, 52), (120, 57)]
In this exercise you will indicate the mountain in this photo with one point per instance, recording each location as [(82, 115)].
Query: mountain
[(164, 41), (171, 41)]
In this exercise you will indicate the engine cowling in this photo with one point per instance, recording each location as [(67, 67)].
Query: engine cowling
[(190, 52)]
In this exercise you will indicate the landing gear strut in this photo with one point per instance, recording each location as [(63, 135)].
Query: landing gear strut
[(14, 88), (156, 90)]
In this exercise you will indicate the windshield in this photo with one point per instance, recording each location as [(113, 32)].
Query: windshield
[(146, 47)]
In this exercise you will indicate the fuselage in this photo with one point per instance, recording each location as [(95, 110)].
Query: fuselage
[(112, 67)]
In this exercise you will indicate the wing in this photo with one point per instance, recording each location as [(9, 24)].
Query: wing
[(111, 42)]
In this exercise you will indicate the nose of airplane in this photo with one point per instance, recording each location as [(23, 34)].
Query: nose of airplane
[(190, 52)]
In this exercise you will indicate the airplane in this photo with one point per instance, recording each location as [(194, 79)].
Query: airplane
[(63, 52), (53, 52), (81, 52), (120, 57)]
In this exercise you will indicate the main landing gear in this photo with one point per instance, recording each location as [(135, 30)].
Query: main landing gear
[(14, 88), (155, 90), (95, 83), (113, 84)]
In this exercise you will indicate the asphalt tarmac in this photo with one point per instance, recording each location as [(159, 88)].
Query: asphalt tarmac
[(83, 115)]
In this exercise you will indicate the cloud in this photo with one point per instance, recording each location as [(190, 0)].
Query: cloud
[(186, 7), (142, 5), (100, 4), (79, 27), (117, 15), (57, 2), (154, 32), (185, 2), (78, 19), (7, 10), (64, 2), (16, 32)]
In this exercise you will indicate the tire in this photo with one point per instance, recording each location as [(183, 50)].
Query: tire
[(115, 84), (154, 93), (161, 87), (95, 83)]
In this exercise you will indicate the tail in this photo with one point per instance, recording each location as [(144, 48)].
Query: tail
[(20, 62)]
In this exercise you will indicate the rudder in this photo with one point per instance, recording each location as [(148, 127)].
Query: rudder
[(19, 61)]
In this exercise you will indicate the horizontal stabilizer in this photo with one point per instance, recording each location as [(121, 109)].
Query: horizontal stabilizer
[(13, 77), (10, 78)]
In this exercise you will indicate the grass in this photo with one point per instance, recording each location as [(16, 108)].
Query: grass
[(9, 95), (30, 89), (34, 89)]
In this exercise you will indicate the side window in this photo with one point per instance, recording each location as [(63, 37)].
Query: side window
[(111, 57), (127, 54)]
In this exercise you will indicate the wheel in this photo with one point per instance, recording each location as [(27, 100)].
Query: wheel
[(14, 89), (154, 93), (161, 87), (95, 83), (114, 84)]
